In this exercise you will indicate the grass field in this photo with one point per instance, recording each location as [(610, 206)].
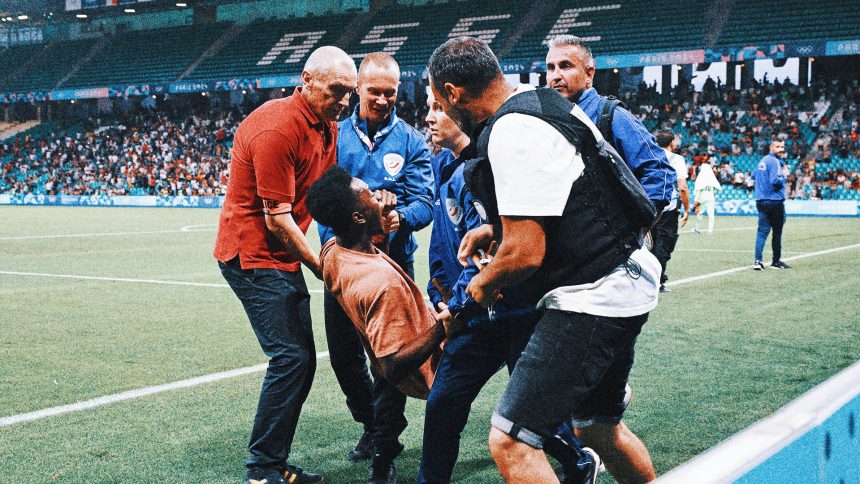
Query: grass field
[(717, 354)]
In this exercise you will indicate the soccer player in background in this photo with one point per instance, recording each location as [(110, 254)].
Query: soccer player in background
[(382, 150), (705, 196), (279, 150)]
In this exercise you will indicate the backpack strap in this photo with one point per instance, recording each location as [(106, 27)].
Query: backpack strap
[(608, 104)]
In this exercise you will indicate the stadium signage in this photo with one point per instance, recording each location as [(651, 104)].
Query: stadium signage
[(843, 47), (807, 208)]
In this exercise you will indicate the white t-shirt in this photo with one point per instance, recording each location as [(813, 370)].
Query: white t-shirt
[(679, 164), (534, 167)]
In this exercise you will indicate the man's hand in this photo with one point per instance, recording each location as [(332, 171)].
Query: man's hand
[(391, 222), (477, 238), (390, 217), (453, 325), (684, 217)]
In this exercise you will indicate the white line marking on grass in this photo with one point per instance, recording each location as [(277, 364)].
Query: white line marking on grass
[(199, 228), (191, 382), (140, 392), (705, 231), (733, 251), (98, 234), (186, 228), (748, 267), (125, 279)]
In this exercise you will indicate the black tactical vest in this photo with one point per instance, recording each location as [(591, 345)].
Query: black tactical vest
[(606, 211)]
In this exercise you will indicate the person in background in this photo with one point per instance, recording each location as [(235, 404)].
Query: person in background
[(770, 202)]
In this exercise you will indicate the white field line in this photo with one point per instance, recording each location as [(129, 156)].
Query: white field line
[(733, 229), (191, 382), (140, 392), (748, 267), (732, 251), (125, 279), (187, 228)]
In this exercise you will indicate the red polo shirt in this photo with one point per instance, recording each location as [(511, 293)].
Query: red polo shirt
[(279, 150)]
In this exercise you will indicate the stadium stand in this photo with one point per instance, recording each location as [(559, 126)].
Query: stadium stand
[(145, 154), (158, 55), (268, 48), (48, 68), (790, 20)]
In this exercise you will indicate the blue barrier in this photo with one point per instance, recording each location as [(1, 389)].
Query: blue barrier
[(814, 439)]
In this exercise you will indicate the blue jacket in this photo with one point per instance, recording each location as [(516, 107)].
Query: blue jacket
[(769, 180), (638, 148), (455, 212), (397, 160)]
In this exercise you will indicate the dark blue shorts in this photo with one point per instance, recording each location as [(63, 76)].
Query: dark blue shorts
[(574, 365)]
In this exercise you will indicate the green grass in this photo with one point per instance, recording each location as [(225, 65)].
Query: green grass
[(716, 355)]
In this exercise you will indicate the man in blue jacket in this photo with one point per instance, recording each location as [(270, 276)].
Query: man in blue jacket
[(570, 71), (377, 147), (770, 202)]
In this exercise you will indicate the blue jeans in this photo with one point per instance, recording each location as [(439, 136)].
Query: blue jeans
[(468, 362), (771, 214), (278, 306)]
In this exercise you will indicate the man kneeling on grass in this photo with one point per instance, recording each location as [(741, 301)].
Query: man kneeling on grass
[(398, 330)]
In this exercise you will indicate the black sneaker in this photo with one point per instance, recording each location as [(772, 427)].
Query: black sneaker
[(780, 265), (363, 449), (382, 473), (263, 476), (758, 266), (295, 475), (664, 288)]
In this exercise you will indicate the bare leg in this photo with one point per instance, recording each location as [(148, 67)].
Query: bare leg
[(518, 462), (624, 455)]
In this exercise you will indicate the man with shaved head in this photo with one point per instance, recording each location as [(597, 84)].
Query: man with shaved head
[(279, 150), (386, 153)]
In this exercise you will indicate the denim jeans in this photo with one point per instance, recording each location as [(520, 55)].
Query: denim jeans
[(468, 362), (771, 214), (278, 306), (372, 402)]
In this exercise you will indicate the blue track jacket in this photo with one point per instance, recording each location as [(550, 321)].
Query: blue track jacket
[(397, 160), (638, 148), (455, 212), (769, 180)]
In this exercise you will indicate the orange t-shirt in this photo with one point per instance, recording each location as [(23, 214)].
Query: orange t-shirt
[(384, 304)]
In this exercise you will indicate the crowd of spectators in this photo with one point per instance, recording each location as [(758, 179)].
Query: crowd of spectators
[(148, 153), (166, 153)]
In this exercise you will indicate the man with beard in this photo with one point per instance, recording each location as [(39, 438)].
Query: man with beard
[(573, 248)]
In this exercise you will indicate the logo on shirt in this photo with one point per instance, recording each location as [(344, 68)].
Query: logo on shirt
[(455, 211), (393, 163), (482, 212)]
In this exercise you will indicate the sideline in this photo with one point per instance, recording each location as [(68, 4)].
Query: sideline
[(186, 228), (140, 392), (126, 279), (191, 382)]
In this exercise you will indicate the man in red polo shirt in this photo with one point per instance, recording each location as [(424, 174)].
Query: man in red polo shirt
[(279, 150)]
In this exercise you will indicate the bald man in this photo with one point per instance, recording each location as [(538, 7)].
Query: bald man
[(386, 153), (279, 150)]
